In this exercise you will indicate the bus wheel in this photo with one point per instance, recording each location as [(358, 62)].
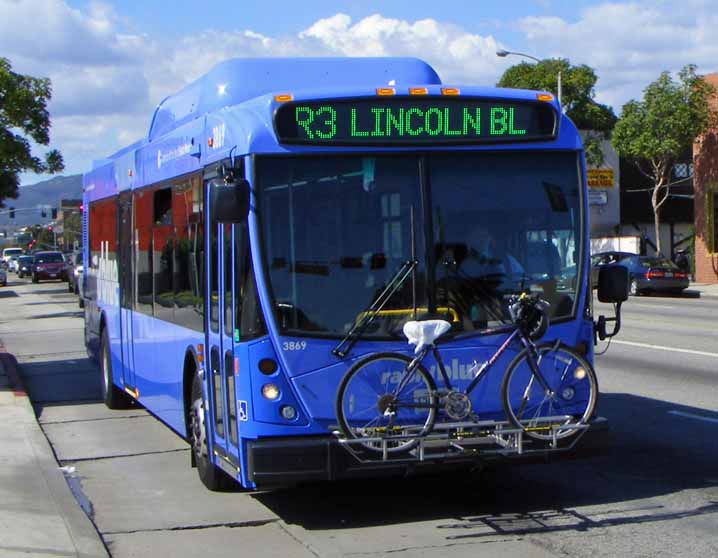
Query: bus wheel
[(212, 477), (111, 394)]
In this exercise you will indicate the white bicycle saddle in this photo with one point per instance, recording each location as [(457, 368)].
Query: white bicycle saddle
[(425, 332)]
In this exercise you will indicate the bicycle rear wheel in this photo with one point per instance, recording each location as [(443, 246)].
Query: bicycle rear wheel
[(570, 401), (382, 404)]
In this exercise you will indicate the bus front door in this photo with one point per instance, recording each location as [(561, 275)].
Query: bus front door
[(126, 294), (219, 347)]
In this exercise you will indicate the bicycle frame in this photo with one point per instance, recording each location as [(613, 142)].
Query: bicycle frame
[(485, 367)]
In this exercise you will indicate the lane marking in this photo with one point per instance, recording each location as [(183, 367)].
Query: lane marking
[(691, 415), (661, 348), (659, 306)]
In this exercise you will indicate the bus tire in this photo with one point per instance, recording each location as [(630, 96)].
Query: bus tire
[(111, 394), (212, 477)]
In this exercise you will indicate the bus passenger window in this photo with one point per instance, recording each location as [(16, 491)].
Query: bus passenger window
[(142, 203), (163, 207), (163, 254), (188, 270)]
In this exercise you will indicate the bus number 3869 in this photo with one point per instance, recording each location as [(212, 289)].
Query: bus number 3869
[(294, 345)]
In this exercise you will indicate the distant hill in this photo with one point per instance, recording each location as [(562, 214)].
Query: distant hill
[(48, 192)]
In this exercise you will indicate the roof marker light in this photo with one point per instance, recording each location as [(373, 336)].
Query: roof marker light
[(283, 97), (385, 91), (450, 91), (418, 91), (546, 97)]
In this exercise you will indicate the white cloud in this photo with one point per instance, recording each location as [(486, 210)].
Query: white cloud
[(457, 55), (51, 31), (629, 44)]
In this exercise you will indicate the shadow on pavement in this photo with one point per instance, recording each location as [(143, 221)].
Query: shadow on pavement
[(651, 451), (688, 293), (71, 314), (61, 289), (54, 381)]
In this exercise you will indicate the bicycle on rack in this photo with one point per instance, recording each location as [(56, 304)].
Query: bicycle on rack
[(388, 402)]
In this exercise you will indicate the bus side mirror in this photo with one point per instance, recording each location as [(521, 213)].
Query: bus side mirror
[(229, 203), (612, 287), (613, 283)]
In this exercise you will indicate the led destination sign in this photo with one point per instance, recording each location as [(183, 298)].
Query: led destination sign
[(411, 121)]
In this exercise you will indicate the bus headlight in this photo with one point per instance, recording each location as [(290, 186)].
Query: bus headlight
[(270, 391), (288, 412)]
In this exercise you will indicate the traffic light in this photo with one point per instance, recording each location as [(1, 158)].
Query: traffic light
[(53, 213), (49, 228), (43, 212), (12, 213)]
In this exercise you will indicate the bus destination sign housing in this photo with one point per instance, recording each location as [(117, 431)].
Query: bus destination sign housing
[(409, 120)]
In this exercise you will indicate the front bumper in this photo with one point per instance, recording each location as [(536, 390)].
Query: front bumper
[(661, 284), (274, 462)]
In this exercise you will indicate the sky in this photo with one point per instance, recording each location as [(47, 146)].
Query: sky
[(111, 62)]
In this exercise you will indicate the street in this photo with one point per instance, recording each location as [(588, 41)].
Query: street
[(651, 491)]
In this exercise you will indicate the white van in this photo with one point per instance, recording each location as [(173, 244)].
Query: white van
[(8, 252)]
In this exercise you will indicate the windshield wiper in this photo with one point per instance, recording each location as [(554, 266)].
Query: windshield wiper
[(370, 314)]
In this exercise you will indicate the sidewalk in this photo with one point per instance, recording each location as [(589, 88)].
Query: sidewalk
[(39, 516), (708, 290)]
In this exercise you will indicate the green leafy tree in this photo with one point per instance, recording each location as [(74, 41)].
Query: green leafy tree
[(657, 130), (577, 97), (23, 115)]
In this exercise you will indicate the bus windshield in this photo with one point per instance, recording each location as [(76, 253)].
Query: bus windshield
[(335, 230)]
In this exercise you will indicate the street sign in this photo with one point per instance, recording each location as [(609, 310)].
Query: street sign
[(600, 178)]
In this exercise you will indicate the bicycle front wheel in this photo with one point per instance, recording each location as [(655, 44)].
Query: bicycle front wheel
[(569, 401), (384, 405)]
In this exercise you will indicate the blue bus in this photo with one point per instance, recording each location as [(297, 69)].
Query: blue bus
[(231, 253)]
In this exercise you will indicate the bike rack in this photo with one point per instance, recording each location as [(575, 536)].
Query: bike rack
[(452, 440)]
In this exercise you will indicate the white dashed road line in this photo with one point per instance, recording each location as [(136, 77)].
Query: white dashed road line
[(662, 348)]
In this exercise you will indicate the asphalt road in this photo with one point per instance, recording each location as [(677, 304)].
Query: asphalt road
[(652, 491)]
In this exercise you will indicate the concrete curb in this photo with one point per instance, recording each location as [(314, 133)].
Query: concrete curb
[(82, 531)]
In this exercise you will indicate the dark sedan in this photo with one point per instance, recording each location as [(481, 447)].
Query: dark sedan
[(48, 265), (647, 273), (24, 266)]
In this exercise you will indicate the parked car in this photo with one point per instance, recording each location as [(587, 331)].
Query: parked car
[(12, 263), (3, 277), (48, 265), (74, 269), (646, 273), (24, 266)]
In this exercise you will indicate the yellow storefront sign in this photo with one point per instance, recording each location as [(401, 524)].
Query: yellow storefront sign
[(600, 178)]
